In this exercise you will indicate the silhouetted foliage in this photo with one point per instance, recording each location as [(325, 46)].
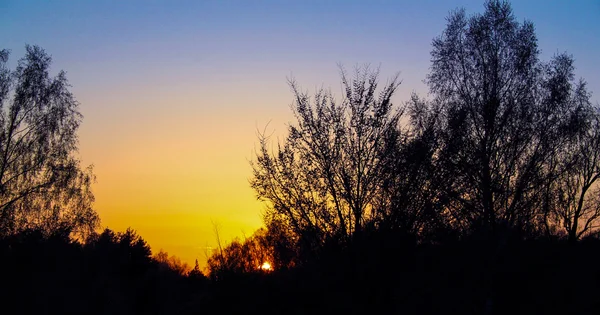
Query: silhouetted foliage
[(322, 182), (282, 245), (239, 257), (111, 273), (196, 273), (42, 185), (410, 193), (481, 184), (503, 117), (51, 259), (573, 203), (172, 263)]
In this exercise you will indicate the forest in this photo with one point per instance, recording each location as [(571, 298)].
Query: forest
[(481, 197)]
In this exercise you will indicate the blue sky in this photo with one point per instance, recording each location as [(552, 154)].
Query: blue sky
[(202, 38)]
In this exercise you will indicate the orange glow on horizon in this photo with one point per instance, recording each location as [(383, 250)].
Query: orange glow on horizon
[(266, 266), (177, 171)]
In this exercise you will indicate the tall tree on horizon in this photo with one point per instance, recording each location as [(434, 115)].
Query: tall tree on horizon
[(42, 183), (504, 115), (323, 180)]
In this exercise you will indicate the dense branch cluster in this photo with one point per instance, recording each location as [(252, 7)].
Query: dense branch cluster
[(506, 146), (42, 184)]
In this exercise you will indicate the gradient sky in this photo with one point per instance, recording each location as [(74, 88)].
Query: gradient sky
[(173, 92)]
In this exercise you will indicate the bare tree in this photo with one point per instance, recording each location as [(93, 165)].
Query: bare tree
[(409, 194), (322, 181), (242, 256), (42, 184), (575, 194), (504, 115), (505, 118)]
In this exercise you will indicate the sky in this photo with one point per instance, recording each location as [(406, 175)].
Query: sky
[(174, 92)]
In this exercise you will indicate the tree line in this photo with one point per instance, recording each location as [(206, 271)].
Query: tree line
[(480, 198), (505, 146), (108, 273)]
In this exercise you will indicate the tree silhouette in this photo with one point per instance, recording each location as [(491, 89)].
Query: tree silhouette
[(323, 180), (242, 256), (575, 195), (281, 243), (410, 194), (42, 185), (195, 273), (504, 115), (172, 263)]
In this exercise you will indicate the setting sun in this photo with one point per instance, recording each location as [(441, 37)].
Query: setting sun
[(266, 266)]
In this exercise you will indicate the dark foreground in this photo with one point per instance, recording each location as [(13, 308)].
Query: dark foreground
[(54, 275)]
